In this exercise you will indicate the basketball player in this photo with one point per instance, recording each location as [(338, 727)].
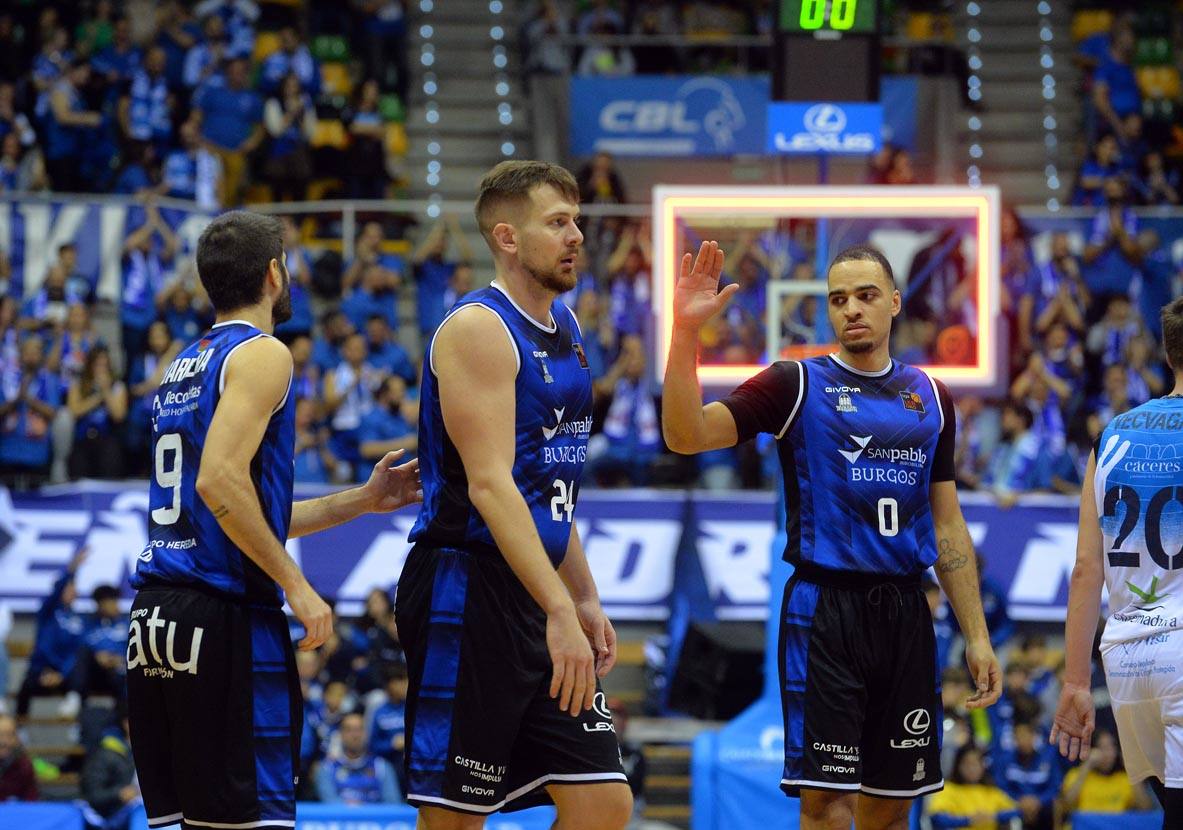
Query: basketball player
[(213, 696), (866, 448), (1131, 532), (496, 606)]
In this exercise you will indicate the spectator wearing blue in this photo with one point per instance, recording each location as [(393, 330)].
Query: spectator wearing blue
[(292, 58), (601, 13), (388, 723), (184, 315), (1030, 774), (232, 126), (1045, 394), (29, 398), (433, 268), (460, 283), (1109, 338), (12, 120), (193, 172), (381, 33), (146, 252), (385, 353), (356, 775), (368, 251), (69, 348), (118, 62), (1063, 360), (108, 782), (177, 32), (349, 392), (1014, 704), (599, 341), (300, 287), (60, 630), (101, 667), (204, 60), (335, 328), (239, 17), (365, 158), (1112, 255), (1113, 400), (290, 119), (1115, 88), (374, 296), (388, 427), (138, 175), (1057, 293), (1014, 467), (1145, 380), (1104, 162), (67, 127), (98, 403), (305, 374), (314, 461), (1157, 184), (149, 105), (143, 378), (631, 439), (49, 307), (49, 65), (1155, 284), (630, 290)]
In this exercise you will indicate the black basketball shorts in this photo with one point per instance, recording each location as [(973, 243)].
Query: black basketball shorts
[(483, 733), (215, 710), (859, 686)]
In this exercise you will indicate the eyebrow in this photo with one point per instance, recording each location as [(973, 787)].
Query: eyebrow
[(555, 214), (857, 290)]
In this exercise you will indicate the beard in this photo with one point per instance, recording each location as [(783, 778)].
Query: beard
[(281, 309), (858, 346), (552, 278)]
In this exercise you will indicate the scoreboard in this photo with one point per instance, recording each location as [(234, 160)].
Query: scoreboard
[(826, 50), (815, 16)]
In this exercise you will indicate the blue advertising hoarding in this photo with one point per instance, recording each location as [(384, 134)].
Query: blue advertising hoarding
[(829, 128)]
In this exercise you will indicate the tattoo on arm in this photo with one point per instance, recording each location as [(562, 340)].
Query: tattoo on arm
[(950, 559), (221, 511)]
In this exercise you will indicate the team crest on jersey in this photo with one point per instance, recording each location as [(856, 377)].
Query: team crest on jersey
[(202, 344), (845, 404), (578, 349), (912, 402)]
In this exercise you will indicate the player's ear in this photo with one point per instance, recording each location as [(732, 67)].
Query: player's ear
[(897, 303), (505, 236)]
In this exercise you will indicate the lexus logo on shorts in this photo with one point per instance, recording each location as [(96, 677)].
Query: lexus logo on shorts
[(917, 721), (600, 706)]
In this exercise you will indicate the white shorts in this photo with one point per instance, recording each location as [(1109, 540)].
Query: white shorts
[(1146, 686)]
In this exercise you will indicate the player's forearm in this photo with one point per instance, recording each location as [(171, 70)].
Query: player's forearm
[(1084, 609), (957, 572), (681, 398), (313, 515), (235, 504), (501, 505), (576, 574)]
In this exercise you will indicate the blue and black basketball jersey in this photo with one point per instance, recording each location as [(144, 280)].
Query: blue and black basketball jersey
[(858, 452), (185, 543), (552, 424)]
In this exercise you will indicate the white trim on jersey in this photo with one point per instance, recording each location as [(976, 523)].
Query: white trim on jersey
[(226, 361), (797, 405), (584, 778), (890, 363), (246, 825), (905, 793), (571, 311), (230, 323), (936, 394), (161, 820), (820, 785), (554, 324), (431, 352)]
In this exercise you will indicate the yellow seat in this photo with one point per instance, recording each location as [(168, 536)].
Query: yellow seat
[(1090, 22), (330, 134), (920, 25), (266, 45), (335, 79), (396, 140), (1159, 81)]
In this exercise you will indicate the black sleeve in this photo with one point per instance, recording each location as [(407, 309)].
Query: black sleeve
[(944, 468), (768, 401)]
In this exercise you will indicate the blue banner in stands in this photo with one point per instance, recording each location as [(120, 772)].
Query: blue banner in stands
[(645, 547), (841, 129), (32, 230)]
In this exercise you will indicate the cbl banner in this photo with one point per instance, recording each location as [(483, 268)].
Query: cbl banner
[(644, 546)]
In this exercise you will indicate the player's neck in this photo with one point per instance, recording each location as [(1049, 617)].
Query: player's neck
[(256, 315), (872, 362), (1177, 392), (531, 298)]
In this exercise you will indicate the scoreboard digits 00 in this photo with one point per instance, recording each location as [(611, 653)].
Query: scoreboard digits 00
[(838, 16)]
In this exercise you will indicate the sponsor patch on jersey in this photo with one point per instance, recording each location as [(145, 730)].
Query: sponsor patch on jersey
[(578, 349), (202, 344), (912, 402)]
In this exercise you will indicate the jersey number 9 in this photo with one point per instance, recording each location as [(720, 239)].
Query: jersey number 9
[(168, 477)]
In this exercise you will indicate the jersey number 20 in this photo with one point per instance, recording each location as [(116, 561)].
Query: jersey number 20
[(168, 477), (1128, 496)]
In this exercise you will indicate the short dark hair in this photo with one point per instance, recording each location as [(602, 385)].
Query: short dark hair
[(1172, 332), (233, 255), (105, 592), (865, 253), (1021, 409), (510, 183)]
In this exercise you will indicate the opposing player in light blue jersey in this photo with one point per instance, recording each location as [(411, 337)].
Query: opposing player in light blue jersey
[(213, 696), (497, 610), (866, 448), (1131, 541)]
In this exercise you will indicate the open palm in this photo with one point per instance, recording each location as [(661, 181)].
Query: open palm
[(697, 297)]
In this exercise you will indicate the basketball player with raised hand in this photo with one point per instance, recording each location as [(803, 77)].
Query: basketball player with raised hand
[(213, 697), (866, 449), (496, 606), (1130, 540)]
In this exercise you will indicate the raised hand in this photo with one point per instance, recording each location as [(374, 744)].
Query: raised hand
[(390, 487), (697, 297)]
